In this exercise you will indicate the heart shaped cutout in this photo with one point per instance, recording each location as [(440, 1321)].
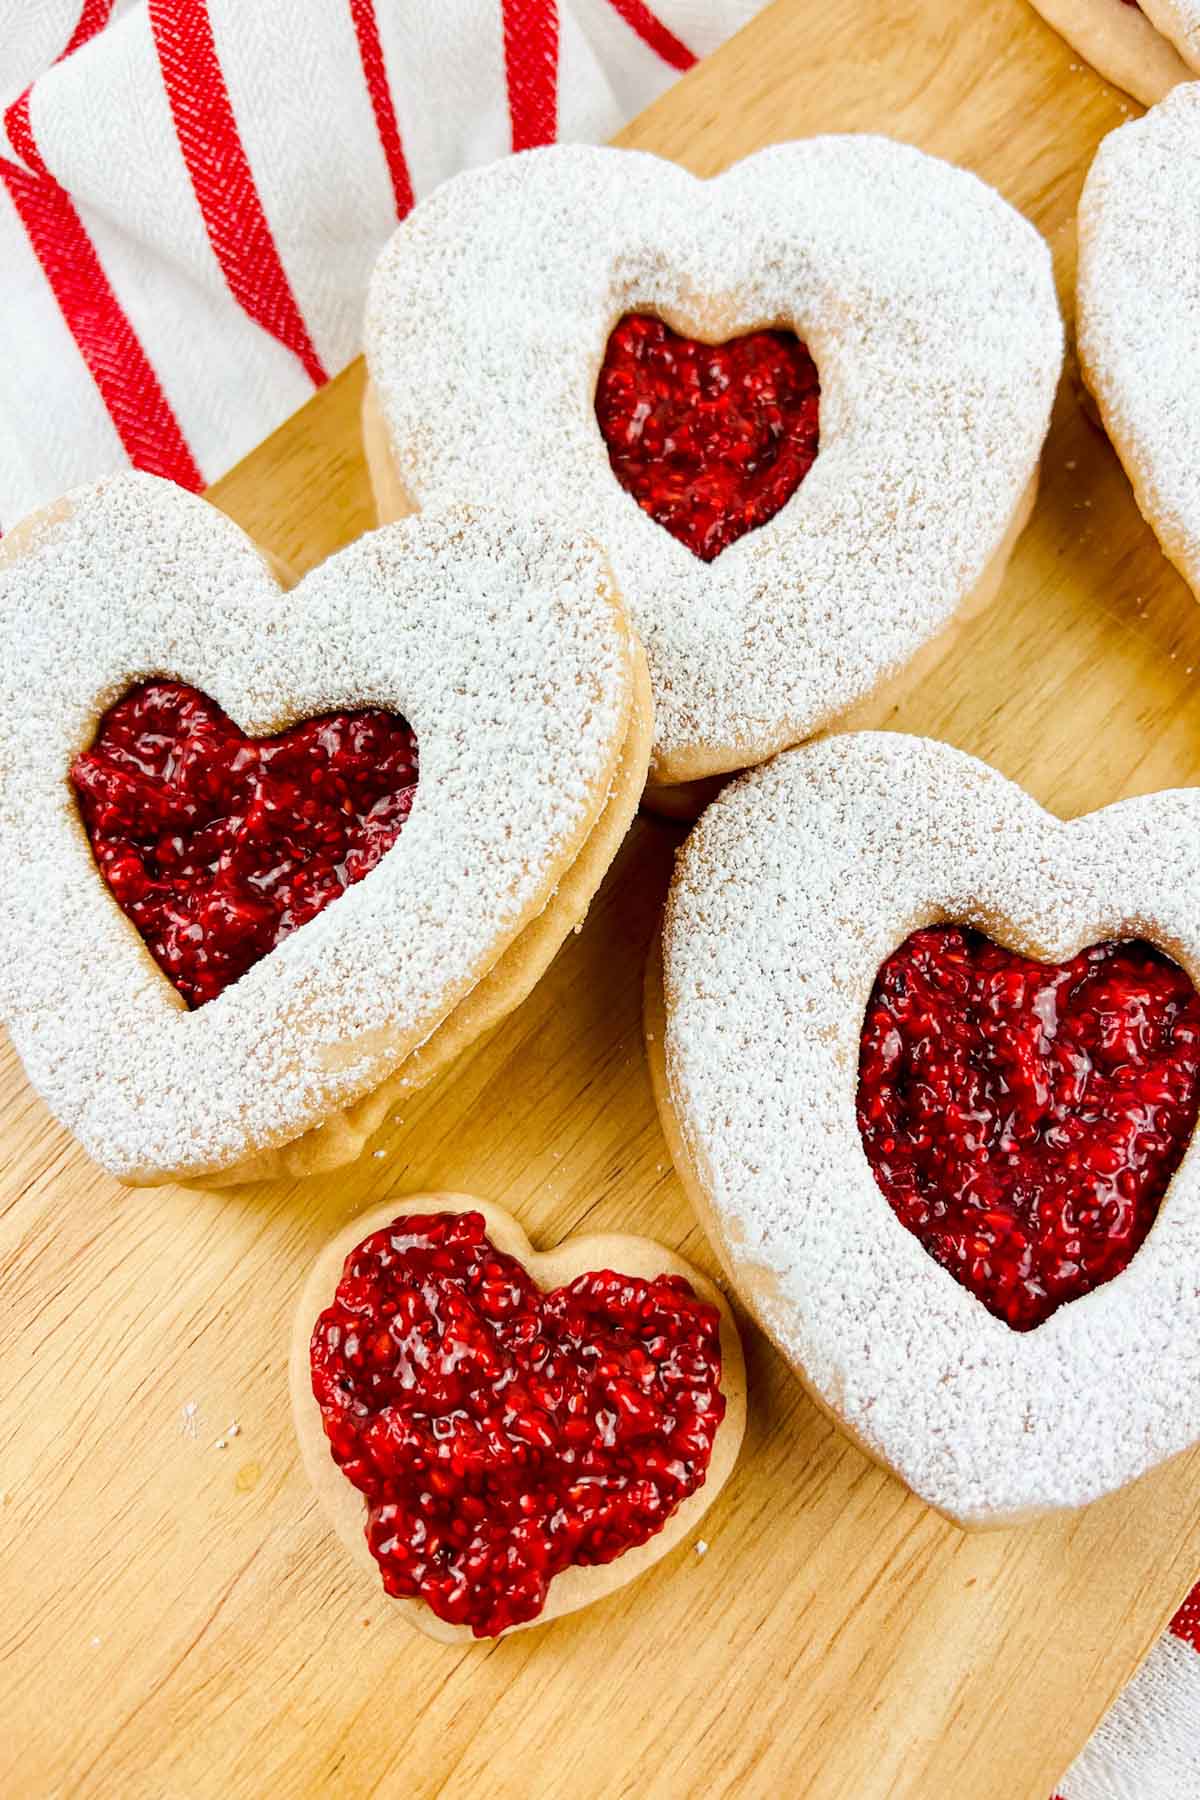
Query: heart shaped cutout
[(710, 439), (462, 625), (1139, 247), (218, 845), (792, 893), (503, 1436), (927, 305), (1023, 1118)]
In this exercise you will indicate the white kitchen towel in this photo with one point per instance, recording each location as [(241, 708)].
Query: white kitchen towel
[(192, 193), (1148, 1745)]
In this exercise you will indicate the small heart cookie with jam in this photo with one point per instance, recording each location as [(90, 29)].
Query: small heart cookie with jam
[(502, 1436)]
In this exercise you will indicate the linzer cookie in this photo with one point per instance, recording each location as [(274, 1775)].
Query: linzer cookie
[(800, 405), (929, 1062), (501, 1436), (268, 861), (1146, 50), (1138, 305)]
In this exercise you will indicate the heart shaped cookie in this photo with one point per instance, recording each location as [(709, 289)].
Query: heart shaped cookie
[(1132, 46), (309, 926), (659, 359), (504, 1436), (916, 1152), (1137, 301)]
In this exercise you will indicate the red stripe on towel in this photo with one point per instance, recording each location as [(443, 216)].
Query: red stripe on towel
[(93, 18), (106, 340), (370, 50), (531, 70), (222, 179), (652, 31)]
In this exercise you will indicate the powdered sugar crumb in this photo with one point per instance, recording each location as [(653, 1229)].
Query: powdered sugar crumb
[(791, 891), (928, 304), (497, 640)]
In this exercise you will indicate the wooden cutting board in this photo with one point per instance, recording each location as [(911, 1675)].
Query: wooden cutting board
[(174, 1617)]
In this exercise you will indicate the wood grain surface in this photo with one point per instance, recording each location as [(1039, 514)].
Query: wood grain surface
[(175, 1619)]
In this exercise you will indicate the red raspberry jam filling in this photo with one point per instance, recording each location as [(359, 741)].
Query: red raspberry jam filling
[(219, 845), (501, 1433), (710, 439), (1024, 1118)]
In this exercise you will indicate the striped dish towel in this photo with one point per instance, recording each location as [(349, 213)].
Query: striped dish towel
[(192, 193)]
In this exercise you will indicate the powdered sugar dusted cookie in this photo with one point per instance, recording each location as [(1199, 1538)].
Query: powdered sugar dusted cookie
[(1138, 310), (929, 1060), (263, 857), (801, 405), (1123, 42), (569, 1417)]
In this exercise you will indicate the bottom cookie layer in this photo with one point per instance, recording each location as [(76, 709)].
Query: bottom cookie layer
[(1120, 43)]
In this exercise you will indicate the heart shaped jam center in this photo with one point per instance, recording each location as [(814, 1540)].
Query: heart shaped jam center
[(501, 1433), (1024, 1118), (218, 845), (710, 439)]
